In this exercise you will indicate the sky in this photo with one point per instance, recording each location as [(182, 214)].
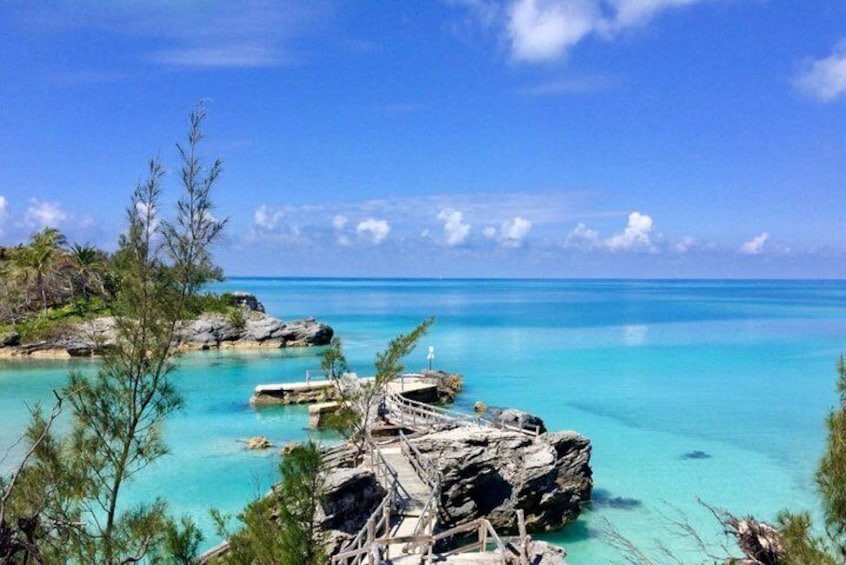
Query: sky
[(454, 138)]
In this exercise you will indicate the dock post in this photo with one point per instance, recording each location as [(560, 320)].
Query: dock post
[(371, 547), (483, 536), (524, 537)]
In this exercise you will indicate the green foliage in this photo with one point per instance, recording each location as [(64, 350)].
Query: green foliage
[(209, 302), (802, 544), (360, 400), (831, 474), (181, 542), (237, 318), (333, 362), (282, 528), (72, 486), (389, 362)]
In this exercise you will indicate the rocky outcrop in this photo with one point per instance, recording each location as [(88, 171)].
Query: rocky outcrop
[(246, 300), (491, 473), (519, 419), (253, 330), (351, 496), (249, 330)]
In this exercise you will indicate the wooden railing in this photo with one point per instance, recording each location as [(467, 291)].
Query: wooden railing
[(364, 543), (512, 551), (424, 468), (413, 413)]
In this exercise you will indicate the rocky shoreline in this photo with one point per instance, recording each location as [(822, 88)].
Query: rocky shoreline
[(250, 329)]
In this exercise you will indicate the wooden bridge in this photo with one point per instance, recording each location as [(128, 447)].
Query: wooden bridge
[(402, 529)]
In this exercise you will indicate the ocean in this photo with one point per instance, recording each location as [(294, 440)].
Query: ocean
[(689, 390)]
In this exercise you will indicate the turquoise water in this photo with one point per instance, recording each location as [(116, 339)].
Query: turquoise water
[(650, 371)]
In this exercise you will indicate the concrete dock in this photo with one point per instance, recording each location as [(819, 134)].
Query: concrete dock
[(415, 386)]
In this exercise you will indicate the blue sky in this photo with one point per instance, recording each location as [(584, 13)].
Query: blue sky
[(464, 138)]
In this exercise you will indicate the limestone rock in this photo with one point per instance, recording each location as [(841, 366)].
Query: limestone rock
[(247, 300), (258, 442), (351, 496), (544, 553), (207, 331), (288, 448), (490, 472), (449, 384), (520, 419), (480, 407)]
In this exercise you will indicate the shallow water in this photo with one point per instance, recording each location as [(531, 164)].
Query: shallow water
[(687, 389)]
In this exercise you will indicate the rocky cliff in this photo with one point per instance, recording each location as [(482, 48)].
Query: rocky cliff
[(491, 473)]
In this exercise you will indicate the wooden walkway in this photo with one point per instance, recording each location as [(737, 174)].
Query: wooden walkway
[(414, 492), (401, 530)]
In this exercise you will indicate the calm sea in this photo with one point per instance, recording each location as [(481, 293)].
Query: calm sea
[(714, 390)]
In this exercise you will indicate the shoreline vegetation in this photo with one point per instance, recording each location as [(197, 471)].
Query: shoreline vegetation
[(237, 321)]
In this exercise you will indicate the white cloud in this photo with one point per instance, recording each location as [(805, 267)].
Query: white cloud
[(514, 231), (4, 212), (637, 235), (377, 230), (583, 238), (686, 244), (339, 221), (267, 217), (825, 79), (259, 33), (489, 232), (44, 214), (545, 30), (755, 245), (455, 230), (541, 30)]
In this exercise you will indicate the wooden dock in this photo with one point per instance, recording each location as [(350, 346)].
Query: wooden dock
[(412, 385)]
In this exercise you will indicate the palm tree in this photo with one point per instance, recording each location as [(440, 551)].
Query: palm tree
[(38, 259), (88, 264)]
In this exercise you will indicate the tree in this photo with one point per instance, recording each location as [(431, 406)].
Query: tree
[(802, 544), (283, 527), (117, 415), (88, 266), (360, 399), (37, 260)]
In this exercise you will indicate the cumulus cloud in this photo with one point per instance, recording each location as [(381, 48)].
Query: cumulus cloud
[(541, 30), (267, 217), (376, 230), (637, 235), (42, 214), (455, 230), (755, 245), (489, 232), (583, 238), (825, 79), (545, 30), (514, 231)]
